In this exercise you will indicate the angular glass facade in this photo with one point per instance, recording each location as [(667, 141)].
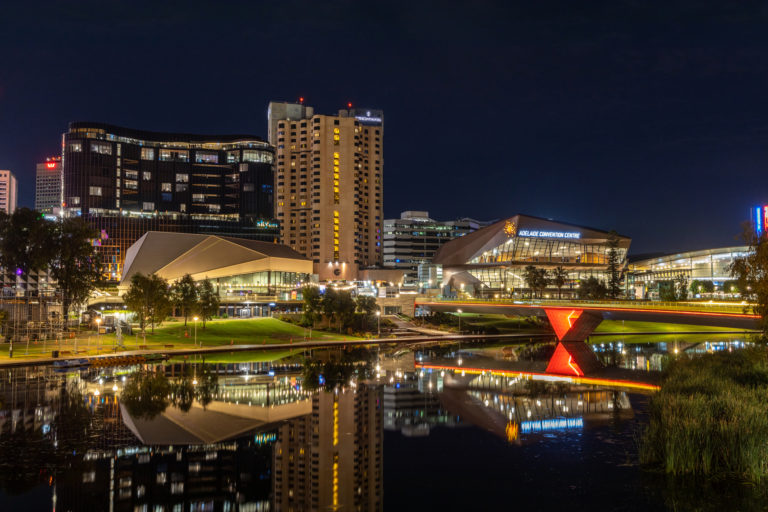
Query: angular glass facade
[(493, 260)]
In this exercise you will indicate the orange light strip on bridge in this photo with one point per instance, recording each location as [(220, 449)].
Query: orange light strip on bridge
[(545, 376), (592, 308)]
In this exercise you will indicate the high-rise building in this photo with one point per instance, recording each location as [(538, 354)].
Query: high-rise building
[(414, 238), (48, 185), (329, 185), (8, 190), (126, 182)]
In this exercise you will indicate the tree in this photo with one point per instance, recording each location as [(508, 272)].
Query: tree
[(75, 266), (542, 280), (667, 291), (328, 304), (312, 303), (682, 287), (338, 305), (149, 298), (345, 308), (614, 272), (366, 306), (184, 296), (530, 276), (592, 288), (536, 278), (3, 320), (25, 241), (25, 246), (559, 278), (751, 273), (208, 302)]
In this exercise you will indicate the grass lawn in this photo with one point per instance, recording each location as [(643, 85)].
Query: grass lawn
[(619, 326), (255, 331), (503, 323)]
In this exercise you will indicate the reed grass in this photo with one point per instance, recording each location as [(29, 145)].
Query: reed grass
[(710, 418)]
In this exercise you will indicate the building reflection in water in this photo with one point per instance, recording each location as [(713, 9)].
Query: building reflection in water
[(325, 455)]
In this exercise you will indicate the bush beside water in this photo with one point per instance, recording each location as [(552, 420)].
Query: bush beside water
[(710, 418)]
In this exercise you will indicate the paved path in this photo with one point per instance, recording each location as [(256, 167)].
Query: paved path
[(274, 346)]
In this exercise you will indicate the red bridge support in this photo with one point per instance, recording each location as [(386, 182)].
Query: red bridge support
[(572, 355)]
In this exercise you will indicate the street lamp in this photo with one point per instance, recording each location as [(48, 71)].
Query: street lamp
[(459, 314), (98, 333), (195, 331), (378, 322)]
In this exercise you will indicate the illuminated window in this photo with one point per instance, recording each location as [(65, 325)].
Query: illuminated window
[(146, 176), (252, 155), (178, 155), (102, 148), (94, 191), (148, 206), (182, 178), (76, 147), (165, 187), (147, 153)]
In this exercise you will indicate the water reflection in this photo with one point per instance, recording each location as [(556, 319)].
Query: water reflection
[(309, 433)]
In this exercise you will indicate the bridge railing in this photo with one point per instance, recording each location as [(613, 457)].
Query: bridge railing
[(712, 307)]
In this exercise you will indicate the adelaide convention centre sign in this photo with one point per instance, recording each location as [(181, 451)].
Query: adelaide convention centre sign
[(548, 234)]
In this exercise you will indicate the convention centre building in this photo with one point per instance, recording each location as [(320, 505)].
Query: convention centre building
[(491, 261)]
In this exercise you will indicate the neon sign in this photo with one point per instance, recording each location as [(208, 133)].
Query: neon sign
[(548, 234), (528, 427), (50, 165), (760, 219), (269, 437), (368, 119)]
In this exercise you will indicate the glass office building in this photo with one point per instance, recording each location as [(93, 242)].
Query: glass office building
[(125, 182), (492, 260), (703, 265)]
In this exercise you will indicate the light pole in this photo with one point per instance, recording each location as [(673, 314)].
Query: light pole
[(98, 331), (195, 331), (458, 311), (378, 322)]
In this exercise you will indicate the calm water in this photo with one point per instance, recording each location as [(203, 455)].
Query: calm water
[(360, 430)]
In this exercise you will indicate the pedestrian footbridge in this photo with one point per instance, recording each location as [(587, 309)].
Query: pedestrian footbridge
[(574, 321)]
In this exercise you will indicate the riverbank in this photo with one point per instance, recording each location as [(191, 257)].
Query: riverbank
[(170, 337), (709, 419)]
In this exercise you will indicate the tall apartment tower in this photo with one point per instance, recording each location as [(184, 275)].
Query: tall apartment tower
[(8, 191), (328, 179), (48, 185)]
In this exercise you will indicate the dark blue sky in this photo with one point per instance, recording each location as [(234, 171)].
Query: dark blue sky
[(648, 118)]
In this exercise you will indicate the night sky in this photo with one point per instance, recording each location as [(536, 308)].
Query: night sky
[(648, 118)]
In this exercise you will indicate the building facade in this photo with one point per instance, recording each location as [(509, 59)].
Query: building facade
[(492, 261), (126, 182), (413, 239), (48, 185), (8, 191), (647, 275), (242, 270), (329, 186)]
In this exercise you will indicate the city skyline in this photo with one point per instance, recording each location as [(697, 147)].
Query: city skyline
[(566, 113)]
